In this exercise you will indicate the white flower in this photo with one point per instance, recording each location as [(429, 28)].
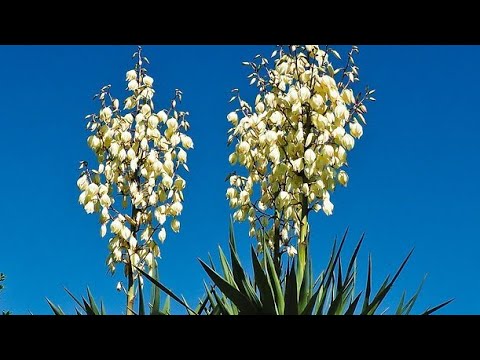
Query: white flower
[(187, 142), (105, 114), (162, 235), (233, 118), (304, 94), (244, 197), (92, 189), (316, 101), (82, 198), (348, 142), (328, 151), (89, 207), (309, 156), (128, 118), (162, 115), (82, 182), (132, 85), (131, 75), (176, 208), (147, 80), (291, 251), (130, 103), (116, 226), (283, 199), (172, 124), (105, 201), (167, 181), (152, 121), (244, 147), (146, 110), (182, 156), (276, 118), (271, 136), (356, 129), (327, 207)]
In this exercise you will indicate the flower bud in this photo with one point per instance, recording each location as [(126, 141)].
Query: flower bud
[(232, 158), (343, 178), (175, 225)]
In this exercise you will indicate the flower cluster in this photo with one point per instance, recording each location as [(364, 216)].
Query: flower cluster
[(136, 185), (294, 141)]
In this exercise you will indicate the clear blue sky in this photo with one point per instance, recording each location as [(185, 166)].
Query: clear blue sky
[(412, 175)]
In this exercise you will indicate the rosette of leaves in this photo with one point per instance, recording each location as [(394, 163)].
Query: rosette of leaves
[(333, 292)]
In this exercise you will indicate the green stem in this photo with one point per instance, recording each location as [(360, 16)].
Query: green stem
[(133, 227), (276, 246), (130, 277), (130, 289), (303, 244)]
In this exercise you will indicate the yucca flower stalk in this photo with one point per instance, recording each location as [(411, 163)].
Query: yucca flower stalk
[(136, 185), (293, 143)]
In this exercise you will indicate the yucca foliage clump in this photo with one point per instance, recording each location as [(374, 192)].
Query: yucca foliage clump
[(335, 291)]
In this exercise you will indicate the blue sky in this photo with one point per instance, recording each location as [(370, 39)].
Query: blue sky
[(412, 174)]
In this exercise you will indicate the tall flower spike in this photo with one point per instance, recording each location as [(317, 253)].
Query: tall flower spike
[(292, 143), (137, 183)]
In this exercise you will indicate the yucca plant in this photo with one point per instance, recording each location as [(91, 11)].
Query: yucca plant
[(331, 293), (88, 306)]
